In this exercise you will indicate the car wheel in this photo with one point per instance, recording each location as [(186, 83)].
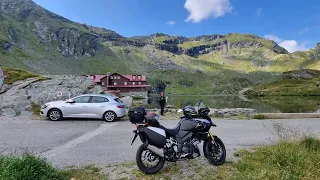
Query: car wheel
[(55, 115), (109, 116)]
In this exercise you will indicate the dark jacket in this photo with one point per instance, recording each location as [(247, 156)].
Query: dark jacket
[(162, 100)]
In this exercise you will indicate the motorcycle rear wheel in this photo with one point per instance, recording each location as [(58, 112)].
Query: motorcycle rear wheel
[(210, 151), (151, 157)]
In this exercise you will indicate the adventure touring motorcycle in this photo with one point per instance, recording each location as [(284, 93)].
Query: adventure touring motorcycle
[(161, 144)]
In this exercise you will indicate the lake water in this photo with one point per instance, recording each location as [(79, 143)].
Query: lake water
[(285, 104)]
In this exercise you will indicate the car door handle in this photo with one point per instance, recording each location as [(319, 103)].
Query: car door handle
[(84, 106), (102, 106)]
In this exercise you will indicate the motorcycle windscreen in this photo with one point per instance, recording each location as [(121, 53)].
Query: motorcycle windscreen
[(156, 136)]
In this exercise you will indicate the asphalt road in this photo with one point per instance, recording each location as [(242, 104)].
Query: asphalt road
[(85, 142)]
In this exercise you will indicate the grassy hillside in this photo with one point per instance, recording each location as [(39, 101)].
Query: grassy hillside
[(292, 83), (12, 75), (36, 40)]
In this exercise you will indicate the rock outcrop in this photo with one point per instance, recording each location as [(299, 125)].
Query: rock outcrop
[(128, 101), (302, 74), (17, 98), (75, 43)]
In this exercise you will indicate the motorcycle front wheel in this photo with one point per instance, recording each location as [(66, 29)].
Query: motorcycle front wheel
[(148, 162), (215, 151)]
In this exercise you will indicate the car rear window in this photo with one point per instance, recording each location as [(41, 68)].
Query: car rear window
[(118, 100)]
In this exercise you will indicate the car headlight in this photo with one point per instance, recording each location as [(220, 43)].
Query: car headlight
[(44, 106)]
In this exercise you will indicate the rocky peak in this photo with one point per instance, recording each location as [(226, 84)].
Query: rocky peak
[(207, 37), (19, 9)]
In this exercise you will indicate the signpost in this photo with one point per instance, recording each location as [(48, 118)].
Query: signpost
[(1, 77)]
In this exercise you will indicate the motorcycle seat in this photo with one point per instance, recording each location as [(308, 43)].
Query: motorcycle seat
[(171, 132)]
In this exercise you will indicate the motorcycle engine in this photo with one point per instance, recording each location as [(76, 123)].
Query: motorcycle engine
[(187, 148), (191, 149)]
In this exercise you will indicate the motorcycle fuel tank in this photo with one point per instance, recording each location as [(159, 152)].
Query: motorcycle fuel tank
[(156, 136), (196, 125)]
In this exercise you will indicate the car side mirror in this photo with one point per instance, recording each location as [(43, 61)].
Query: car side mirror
[(70, 101)]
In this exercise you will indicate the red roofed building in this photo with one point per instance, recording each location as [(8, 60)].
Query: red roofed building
[(125, 85)]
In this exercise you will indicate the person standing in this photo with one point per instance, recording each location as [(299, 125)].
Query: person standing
[(1, 78), (162, 102)]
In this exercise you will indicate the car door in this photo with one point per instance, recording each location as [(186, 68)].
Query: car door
[(78, 109), (97, 106)]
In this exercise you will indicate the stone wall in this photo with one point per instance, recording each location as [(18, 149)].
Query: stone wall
[(135, 94)]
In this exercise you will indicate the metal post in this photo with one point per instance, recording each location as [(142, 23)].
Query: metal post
[(108, 80)]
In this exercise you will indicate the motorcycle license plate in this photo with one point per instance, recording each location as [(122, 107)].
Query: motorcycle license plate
[(133, 138)]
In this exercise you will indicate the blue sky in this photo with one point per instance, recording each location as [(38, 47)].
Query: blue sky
[(294, 24)]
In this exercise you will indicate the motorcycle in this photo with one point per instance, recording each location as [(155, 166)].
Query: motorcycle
[(162, 144)]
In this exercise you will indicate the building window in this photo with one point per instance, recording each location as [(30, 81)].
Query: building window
[(134, 77), (125, 83), (111, 77), (139, 77), (139, 83), (114, 83), (134, 83), (102, 83), (118, 77)]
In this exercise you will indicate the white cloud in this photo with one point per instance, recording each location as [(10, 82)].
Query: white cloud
[(304, 30), (170, 23), (203, 9), (273, 37), (289, 45), (259, 11)]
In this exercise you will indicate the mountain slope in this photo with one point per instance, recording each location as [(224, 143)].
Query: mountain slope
[(37, 40)]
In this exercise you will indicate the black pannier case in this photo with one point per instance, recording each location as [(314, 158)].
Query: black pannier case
[(137, 114)]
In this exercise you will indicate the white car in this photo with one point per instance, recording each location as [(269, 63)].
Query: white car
[(99, 106)]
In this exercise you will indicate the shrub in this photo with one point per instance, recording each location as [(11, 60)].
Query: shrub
[(28, 167), (259, 116)]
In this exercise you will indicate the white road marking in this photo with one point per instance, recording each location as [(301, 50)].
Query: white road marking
[(60, 149)]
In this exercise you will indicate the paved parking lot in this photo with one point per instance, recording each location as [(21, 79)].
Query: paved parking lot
[(84, 142)]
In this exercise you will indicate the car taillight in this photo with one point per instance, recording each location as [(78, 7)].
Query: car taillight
[(120, 106)]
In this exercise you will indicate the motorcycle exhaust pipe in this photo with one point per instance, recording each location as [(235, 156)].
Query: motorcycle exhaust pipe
[(155, 150)]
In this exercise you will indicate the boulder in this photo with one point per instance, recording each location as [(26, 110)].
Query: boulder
[(226, 112), (19, 96), (127, 100)]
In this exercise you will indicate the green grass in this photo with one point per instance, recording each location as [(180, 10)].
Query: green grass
[(285, 160), (288, 87), (85, 173), (13, 74), (35, 108), (191, 44), (159, 40), (184, 83), (235, 37), (28, 167), (291, 104), (259, 116)]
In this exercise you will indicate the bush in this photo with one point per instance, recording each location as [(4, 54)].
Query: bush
[(259, 116), (35, 108), (28, 167)]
